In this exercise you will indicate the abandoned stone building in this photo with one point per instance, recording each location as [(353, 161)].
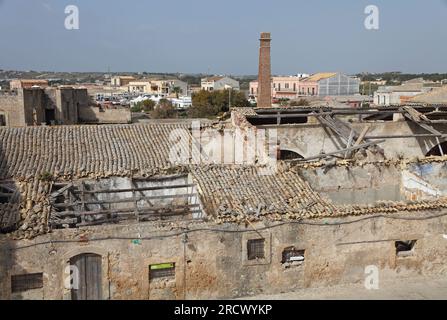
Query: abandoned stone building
[(103, 212), (31, 106)]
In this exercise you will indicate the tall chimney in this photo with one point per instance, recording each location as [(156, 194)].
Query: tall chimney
[(264, 76)]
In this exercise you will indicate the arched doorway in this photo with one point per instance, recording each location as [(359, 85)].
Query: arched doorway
[(89, 277), (438, 150), (289, 155)]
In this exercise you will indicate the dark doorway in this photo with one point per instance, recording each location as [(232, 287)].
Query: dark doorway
[(436, 150), (90, 277), (50, 116), (289, 155), (2, 120)]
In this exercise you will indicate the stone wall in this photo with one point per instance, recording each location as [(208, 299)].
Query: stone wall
[(34, 106), (93, 114), (211, 260), (11, 106)]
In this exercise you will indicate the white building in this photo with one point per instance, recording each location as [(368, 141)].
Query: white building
[(183, 102), (394, 95), (219, 83), (168, 87)]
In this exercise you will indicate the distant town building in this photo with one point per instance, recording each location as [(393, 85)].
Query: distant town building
[(436, 96), (121, 81), (36, 106), (394, 95), (334, 84), (219, 83), (140, 87), (319, 84), (27, 83), (168, 87), (194, 89), (285, 87), (64, 105)]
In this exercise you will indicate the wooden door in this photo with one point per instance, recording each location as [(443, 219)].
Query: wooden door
[(90, 277)]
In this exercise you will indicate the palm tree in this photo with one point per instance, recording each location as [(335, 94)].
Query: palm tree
[(177, 91)]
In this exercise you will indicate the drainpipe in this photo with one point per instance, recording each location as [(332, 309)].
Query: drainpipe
[(184, 241)]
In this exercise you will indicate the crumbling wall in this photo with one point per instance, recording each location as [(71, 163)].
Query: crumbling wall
[(34, 101), (93, 114), (373, 182), (11, 106), (211, 261), (312, 139)]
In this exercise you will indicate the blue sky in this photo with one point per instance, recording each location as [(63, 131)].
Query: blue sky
[(221, 37)]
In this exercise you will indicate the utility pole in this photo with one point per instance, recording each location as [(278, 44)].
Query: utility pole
[(229, 98)]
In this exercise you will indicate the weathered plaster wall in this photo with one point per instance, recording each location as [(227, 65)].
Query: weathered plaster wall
[(215, 263), (310, 139), (370, 183)]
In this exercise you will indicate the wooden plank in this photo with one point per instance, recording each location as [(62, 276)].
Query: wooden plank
[(126, 200), (93, 276), (362, 135), (60, 191), (324, 155), (117, 211), (351, 137), (178, 186)]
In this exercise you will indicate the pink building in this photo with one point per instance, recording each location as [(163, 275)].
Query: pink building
[(290, 87)]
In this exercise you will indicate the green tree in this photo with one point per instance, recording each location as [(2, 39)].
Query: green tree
[(300, 102), (148, 105), (164, 110), (212, 103), (136, 108)]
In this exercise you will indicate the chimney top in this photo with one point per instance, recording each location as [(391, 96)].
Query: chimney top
[(265, 35)]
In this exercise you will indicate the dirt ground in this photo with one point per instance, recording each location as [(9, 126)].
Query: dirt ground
[(410, 289)]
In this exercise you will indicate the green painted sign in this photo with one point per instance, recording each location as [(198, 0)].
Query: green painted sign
[(162, 266)]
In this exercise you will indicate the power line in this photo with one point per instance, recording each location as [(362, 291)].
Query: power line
[(188, 231)]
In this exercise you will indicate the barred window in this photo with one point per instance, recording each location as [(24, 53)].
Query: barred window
[(25, 282), (163, 270), (255, 249)]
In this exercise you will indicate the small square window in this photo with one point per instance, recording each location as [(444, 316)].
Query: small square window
[(293, 256), (404, 248), (163, 270), (255, 249), (25, 282)]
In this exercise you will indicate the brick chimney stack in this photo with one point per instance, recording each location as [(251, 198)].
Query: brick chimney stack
[(264, 76)]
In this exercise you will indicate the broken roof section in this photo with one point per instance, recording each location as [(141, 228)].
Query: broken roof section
[(38, 158), (437, 96)]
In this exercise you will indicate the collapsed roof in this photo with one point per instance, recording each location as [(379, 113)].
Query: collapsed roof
[(34, 159)]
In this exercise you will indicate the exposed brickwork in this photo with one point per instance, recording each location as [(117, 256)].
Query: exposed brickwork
[(265, 94)]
